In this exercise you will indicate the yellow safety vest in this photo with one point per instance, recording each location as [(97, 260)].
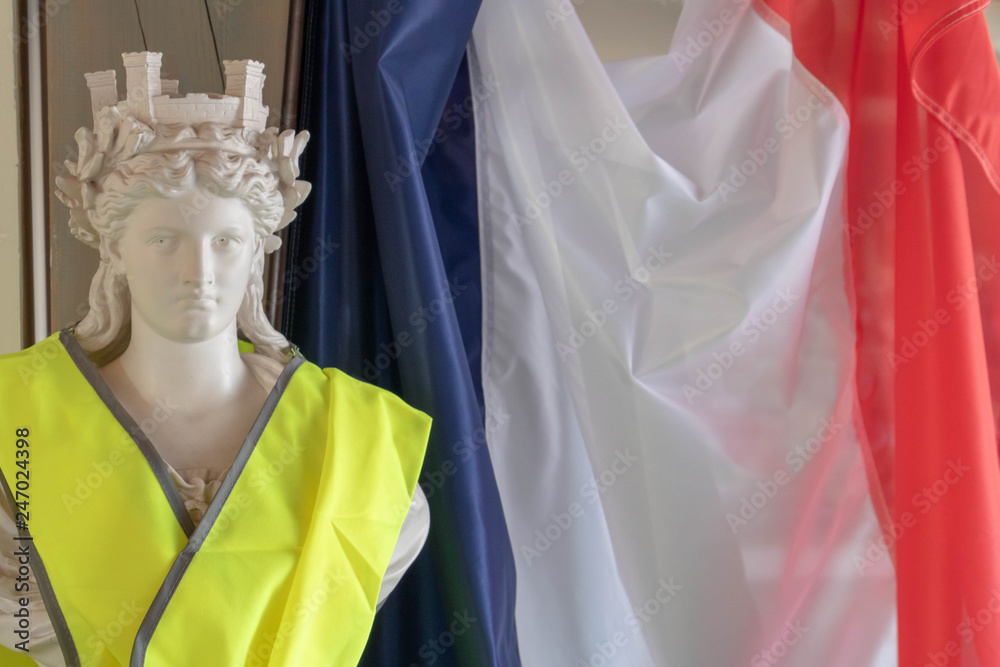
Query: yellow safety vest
[(285, 567)]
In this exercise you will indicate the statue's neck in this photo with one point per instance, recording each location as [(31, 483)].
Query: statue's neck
[(205, 373)]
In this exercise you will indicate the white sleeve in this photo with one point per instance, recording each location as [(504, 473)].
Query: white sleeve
[(43, 645), (412, 536)]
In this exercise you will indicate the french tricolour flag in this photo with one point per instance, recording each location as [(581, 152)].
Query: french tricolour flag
[(742, 306)]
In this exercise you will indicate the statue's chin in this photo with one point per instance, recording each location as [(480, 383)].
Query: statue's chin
[(194, 326)]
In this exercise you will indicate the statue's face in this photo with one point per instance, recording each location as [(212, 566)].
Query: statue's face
[(188, 261)]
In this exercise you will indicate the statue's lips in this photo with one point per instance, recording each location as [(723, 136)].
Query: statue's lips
[(198, 302)]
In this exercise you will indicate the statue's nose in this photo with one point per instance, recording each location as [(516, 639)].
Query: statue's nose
[(198, 266)]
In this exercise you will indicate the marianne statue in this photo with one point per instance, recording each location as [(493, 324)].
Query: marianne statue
[(182, 486)]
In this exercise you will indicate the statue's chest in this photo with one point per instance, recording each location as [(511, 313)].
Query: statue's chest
[(188, 444), (187, 435)]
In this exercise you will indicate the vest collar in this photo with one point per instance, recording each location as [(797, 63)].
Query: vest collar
[(89, 371)]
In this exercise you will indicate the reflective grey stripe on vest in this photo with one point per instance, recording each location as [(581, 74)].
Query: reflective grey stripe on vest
[(70, 655)]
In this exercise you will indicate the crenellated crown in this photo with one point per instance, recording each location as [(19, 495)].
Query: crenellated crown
[(154, 118), (153, 100)]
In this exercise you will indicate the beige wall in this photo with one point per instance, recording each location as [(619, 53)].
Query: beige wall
[(992, 13), (621, 29), (10, 239)]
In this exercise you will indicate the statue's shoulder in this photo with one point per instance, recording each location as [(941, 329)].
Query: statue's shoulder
[(364, 393), (373, 408), (345, 394), (32, 360), (51, 344)]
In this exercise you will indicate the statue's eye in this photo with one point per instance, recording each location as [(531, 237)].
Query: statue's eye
[(162, 242)]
